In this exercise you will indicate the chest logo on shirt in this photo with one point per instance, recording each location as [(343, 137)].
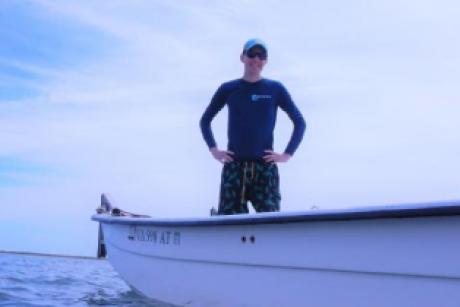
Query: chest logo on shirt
[(256, 98)]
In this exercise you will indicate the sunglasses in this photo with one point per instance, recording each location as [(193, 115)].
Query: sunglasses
[(256, 53)]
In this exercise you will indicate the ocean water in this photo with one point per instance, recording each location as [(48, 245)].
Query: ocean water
[(29, 280)]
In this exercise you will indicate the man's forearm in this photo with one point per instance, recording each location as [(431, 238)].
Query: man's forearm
[(297, 134)]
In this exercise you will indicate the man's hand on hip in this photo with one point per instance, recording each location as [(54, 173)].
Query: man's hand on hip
[(222, 156), (275, 157)]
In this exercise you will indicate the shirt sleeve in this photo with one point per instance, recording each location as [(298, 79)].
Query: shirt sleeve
[(287, 105), (217, 103)]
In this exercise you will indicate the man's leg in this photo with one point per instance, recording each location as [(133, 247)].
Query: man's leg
[(264, 193), (231, 187)]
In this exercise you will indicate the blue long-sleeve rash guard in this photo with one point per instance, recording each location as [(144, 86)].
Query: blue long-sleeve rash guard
[(252, 109)]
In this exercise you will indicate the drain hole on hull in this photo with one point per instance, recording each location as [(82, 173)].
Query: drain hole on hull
[(251, 239)]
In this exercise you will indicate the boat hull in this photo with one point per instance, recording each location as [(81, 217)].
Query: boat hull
[(401, 261)]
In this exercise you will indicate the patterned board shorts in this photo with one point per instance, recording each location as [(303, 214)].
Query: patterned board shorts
[(256, 181)]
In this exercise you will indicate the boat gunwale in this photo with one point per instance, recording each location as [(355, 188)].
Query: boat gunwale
[(363, 213)]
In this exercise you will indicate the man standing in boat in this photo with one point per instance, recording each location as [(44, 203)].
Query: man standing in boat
[(250, 171)]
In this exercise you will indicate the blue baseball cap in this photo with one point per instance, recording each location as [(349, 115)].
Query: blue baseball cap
[(254, 42)]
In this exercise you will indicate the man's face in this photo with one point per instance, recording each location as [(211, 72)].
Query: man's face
[(254, 59)]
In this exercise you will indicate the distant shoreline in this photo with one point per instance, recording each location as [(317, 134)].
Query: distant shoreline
[(49, 255)]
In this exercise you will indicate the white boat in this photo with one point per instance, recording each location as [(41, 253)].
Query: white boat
[(405, 255)]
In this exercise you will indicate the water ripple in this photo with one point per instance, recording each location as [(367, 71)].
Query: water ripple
[(27, 280)]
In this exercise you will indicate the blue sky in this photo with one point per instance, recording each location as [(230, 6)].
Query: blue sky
[(32, 36), (106, 96)]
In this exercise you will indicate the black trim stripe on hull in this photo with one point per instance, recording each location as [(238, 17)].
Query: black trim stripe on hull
[(390, 212)]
